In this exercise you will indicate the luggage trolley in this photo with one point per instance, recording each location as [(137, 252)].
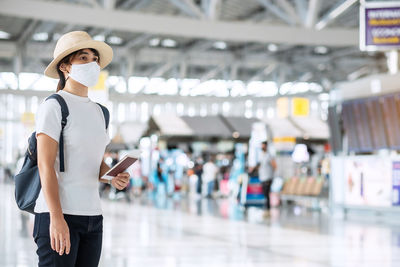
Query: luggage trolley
[(251, 193)]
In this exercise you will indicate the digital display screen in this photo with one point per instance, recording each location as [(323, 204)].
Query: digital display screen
[(349, 126), (373, 123), (391, 121), (362, 126), (376, 124)]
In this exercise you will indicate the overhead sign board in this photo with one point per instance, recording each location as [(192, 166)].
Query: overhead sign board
[(379, 26)]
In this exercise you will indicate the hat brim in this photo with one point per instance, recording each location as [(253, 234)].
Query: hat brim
[(105, 52)]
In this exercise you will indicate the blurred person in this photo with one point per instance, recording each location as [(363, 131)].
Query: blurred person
[(68, 226), (325, 167), (224, 181), (266, 170), (161, 181), (8, 174), (210, 171), (198, 170), (137, 180)]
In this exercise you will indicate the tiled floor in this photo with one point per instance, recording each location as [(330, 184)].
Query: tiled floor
[(206, 233)]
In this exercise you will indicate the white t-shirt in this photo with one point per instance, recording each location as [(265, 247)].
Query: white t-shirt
[(85, 140), (265, 171), (210, 171)]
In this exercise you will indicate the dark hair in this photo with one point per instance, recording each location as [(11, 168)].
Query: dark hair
[(67, 60), (265, 143)]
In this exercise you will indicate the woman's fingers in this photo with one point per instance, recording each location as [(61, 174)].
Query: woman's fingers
[(57, 243), (60, 239), (123, 175), (121, 180), (67, 244), (115, 183), (52, 242), (62, 244), (59, 236), (120, 184)]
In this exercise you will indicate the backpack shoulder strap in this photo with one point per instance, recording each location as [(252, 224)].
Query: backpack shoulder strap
[(64, 115), (106, 114), (64, 108)]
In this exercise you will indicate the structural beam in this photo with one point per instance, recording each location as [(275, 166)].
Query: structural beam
[(301, 7), (212, 73), (135, 42), (160, 70), (176, 26), (267, 4), (109, 4), (233, 74), (28, 32), (335, 12), (125, 5), (161, 99), (312, 14), (290, 11), (264, 72), (136, 4), (211, 8), (204, 59), (199, 57), (93, 3), (197, 47), (141, 4), (188, 7)]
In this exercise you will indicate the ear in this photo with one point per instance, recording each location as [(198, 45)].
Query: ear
[(65, 68)]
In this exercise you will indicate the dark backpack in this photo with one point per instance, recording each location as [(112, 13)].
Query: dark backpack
[(27, 181)]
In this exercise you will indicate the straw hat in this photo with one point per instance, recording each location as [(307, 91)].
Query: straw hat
[(74, 41)]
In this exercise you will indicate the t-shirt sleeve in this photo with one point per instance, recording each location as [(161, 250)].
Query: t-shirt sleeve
[(48, 119)]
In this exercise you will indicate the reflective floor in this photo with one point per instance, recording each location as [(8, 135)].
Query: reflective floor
[(194, 233)]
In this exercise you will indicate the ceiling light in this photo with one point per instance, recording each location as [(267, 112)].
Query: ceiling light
[(168, 43), (272, 47), (220, 45), (324, 97), (100, 38), (321, 49), (40, 36), (115, 40), (154, 42), (4, 35)]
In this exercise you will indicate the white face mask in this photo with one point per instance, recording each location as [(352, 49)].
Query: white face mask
[(86, 74)]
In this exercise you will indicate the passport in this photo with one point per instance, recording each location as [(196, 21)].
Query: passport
[(121, 166)]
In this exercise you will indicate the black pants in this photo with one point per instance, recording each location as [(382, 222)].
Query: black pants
[(86, 233), (266, 187)]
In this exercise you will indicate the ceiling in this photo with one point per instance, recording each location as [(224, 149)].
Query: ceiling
[(248, 40)]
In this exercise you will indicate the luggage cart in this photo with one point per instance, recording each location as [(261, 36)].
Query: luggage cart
[(251, 194)]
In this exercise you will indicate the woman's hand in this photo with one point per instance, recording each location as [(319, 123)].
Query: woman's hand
[(121, 180), (59, 235)]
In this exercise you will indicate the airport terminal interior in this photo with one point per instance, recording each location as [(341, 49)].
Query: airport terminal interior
[(263, 132)]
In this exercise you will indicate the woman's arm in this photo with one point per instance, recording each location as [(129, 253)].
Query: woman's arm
[(59, 232)]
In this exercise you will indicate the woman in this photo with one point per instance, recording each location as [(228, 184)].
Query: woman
[(68, 222)]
